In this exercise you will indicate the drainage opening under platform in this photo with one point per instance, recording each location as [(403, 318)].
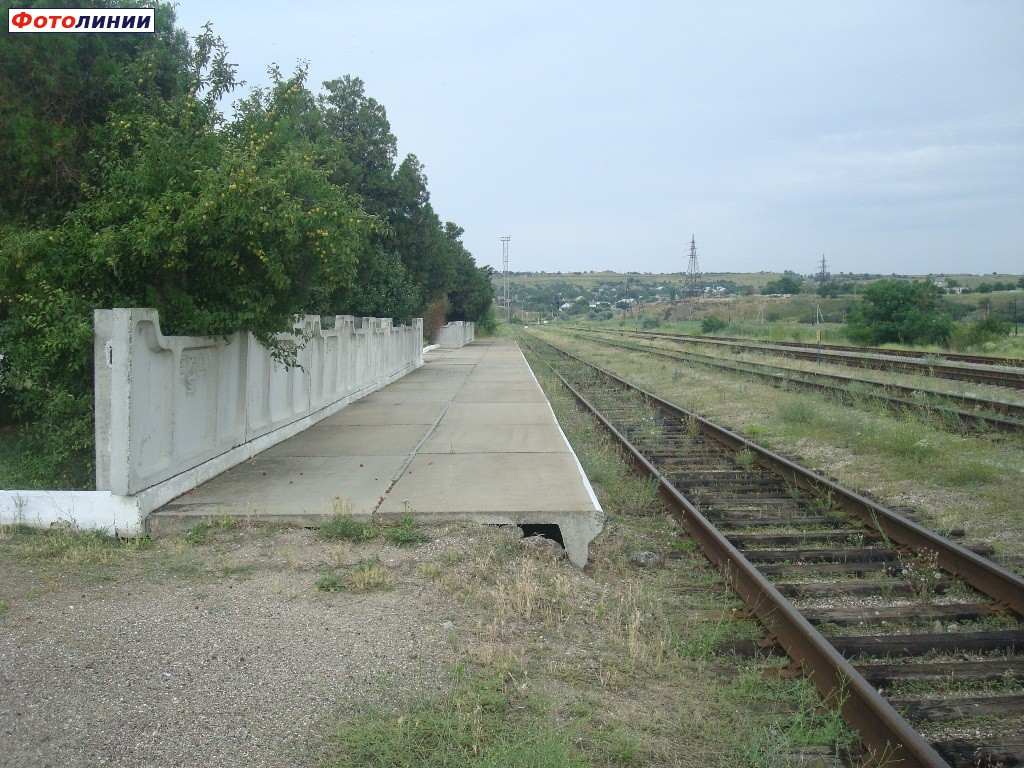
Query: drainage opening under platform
[(547, 530)]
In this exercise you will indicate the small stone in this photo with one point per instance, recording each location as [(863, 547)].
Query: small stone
[(446, 625), (646, 559), (539, 545)]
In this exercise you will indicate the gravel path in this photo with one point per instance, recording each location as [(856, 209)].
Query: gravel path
[(138, 668)]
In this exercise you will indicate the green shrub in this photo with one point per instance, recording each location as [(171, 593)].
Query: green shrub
[(712, 324), (896, 311)]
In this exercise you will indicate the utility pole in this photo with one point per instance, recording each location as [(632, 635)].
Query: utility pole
[(504, 268)]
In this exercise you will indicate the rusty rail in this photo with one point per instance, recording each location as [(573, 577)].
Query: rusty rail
[(884, 732)]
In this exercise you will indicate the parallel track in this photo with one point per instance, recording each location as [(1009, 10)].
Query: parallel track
[(1012, 378), (972, 413), (870, 584), (953, 357)]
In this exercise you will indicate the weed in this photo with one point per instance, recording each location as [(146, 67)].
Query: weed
[(369, 575), (346, 528), (4, 607), (684, 545), (797, 411), (825, 502), (404, 533), (68, 545), (808, 724), (330, 583), (197, 534), (923, 573), (745, 459)]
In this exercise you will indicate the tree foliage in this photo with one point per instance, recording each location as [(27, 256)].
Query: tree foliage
[(900, 312), (789, 283), (125, 186)]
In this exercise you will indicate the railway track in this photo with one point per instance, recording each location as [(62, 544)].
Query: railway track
[(992, 375), (971, 413), (918, 640), (1011, 362)]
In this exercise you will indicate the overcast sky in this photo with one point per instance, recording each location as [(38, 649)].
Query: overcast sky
[(888, 136)]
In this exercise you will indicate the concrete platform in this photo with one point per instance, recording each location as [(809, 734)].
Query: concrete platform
[(470, 435)]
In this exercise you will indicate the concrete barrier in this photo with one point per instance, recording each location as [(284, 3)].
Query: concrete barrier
[(175, 411), (456, 334)]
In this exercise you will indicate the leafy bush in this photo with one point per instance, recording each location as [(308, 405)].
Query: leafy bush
[(712, 324), (650, 322), (900, 312), (978, 333)]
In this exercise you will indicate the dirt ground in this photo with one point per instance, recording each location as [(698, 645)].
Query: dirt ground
[(218, 653)]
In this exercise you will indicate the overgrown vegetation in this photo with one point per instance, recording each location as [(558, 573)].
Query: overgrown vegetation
[(482, 719), (897, 311), (124, 185)]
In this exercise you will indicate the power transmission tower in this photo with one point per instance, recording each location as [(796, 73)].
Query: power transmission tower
[(823, 274), (504, 269), (692, 286)]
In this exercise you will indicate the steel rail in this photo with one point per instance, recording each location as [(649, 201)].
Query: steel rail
[(778, 375), (981, 573), (1009, 362), (885, 734), (978, 359), (998, 378)]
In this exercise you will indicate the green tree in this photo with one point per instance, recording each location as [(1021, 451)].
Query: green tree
[(220, 230), (790, 282), (57, 95), (901, 312)]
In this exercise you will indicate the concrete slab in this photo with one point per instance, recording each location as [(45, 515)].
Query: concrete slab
[(290, 487), (496, 392), (365, 412), (493, 437), (499, 413), (470, 435), (351, 440), (498, 482)]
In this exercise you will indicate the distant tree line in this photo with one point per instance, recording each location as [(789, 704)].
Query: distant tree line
[(124, 185)]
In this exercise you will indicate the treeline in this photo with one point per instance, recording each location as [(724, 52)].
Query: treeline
[(124, 185)]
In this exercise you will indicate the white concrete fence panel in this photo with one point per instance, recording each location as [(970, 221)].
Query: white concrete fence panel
[(175, 411), (456, 334)]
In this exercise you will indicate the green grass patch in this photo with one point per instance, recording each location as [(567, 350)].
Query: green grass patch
[(489, 720), (67, 545), (405, 533), (346, 528), (809, 724), (201, 532), (330, 583)]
